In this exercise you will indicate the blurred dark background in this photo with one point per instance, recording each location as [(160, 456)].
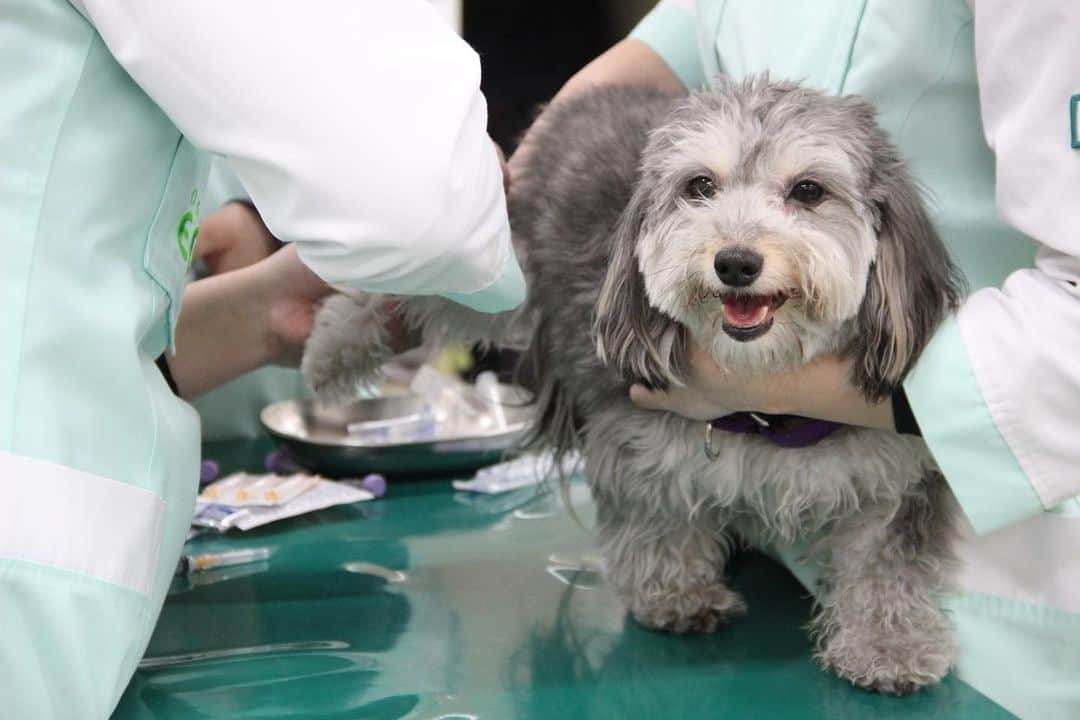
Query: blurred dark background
[(529, 48)]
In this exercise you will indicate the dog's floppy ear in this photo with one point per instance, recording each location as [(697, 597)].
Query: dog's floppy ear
[(644, 344), (912, 285)]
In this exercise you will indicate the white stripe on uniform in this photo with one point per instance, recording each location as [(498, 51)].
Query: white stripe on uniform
[(61, 517)]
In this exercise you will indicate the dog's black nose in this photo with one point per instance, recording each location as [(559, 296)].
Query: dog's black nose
[(738, 267)]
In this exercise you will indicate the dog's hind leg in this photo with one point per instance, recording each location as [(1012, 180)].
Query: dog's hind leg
[(881, 625)]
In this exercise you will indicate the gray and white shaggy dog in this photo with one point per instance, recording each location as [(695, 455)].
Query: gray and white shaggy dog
[(771, 224)]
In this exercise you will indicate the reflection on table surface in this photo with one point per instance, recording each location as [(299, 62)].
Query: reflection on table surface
[(430, 604)]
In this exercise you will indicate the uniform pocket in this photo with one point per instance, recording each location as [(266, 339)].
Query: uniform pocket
[(170, 243)]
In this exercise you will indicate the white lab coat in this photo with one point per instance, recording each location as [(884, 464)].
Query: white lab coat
[(358, 129)]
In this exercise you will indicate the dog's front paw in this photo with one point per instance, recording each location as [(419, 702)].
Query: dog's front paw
[(347, 348), (890, 662), (698, 609)]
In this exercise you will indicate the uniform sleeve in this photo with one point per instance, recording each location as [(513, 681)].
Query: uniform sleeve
[(222, 186), (997, 392), (358, 128), (670, 30)]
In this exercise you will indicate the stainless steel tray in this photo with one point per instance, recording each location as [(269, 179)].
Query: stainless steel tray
[(316, 435)]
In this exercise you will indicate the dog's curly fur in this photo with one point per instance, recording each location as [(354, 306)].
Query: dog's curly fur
[(619, 259)]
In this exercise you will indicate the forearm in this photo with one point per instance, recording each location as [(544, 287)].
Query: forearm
[(821, 389), (629, 62), (223, 332)]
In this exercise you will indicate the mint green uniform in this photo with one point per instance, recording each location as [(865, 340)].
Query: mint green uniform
[(93, 185), (1009, 454), (386, 182)]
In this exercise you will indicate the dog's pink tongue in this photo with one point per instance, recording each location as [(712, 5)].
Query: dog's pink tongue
[(746, 311)]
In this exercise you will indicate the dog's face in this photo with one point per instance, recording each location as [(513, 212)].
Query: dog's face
[(774, 224), (762, 236)]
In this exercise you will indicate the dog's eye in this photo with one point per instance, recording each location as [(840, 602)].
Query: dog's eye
[(807, 192), (701, 187)]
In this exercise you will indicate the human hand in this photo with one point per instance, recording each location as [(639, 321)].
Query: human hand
[(820, 389), (287, 296), (282, 293), (232, 237), (291, 297), (237, 321)]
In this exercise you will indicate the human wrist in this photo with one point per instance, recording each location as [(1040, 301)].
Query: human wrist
[(263, 299), (825, 392)]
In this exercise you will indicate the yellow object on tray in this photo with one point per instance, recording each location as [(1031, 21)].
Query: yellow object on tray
[(454, 360)]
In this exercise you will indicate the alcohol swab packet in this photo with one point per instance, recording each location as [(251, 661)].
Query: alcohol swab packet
[(525, 471)]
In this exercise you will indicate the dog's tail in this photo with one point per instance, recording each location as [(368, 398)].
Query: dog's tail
[(556, 427)]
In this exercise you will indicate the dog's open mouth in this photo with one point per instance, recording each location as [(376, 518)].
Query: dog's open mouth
[(747, 317)]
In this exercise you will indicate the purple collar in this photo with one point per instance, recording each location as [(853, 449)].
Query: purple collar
[(789, 431)]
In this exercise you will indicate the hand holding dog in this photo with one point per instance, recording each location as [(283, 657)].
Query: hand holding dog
[(819, 390)]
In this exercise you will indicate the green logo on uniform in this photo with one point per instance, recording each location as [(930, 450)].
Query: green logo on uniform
[(187, 230)]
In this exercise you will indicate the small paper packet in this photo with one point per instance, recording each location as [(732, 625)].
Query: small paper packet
[(318, 495), (525, 471), (246, 489), (325, 493)]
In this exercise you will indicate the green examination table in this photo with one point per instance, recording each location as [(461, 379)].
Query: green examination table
[(435, 605)]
